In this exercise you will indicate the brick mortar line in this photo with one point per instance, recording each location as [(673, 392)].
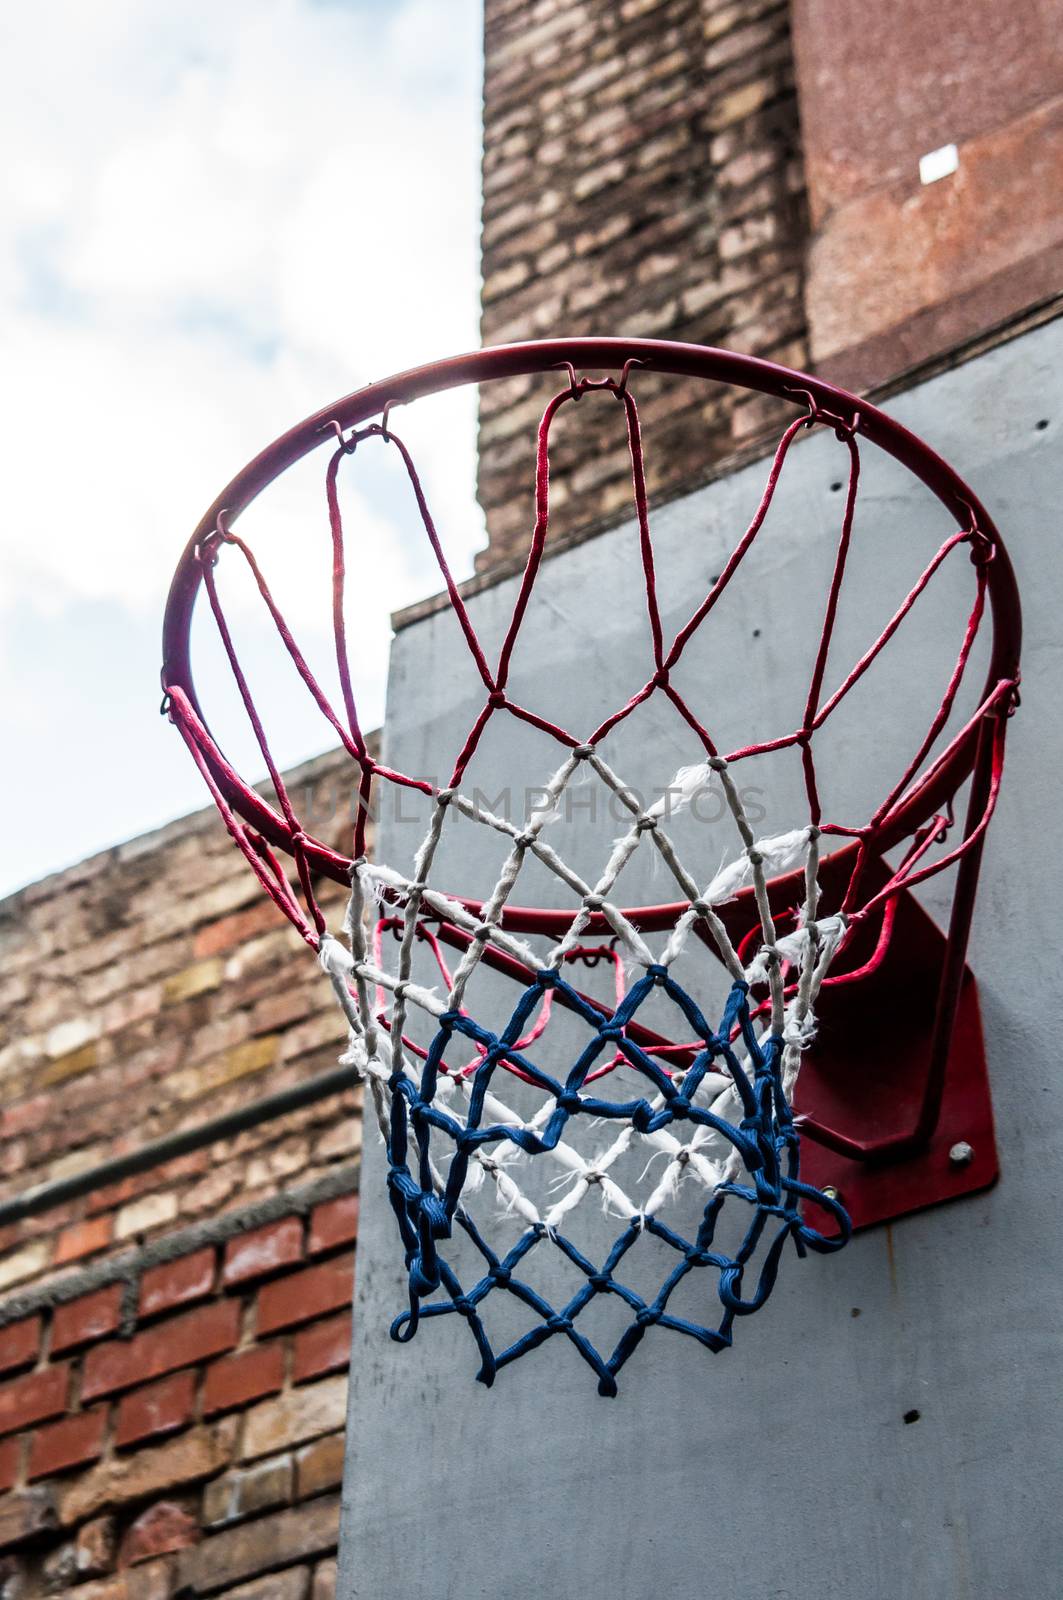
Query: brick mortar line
[(128, 1266)]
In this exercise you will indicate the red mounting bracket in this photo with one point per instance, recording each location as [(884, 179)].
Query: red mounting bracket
[(869, 1075)]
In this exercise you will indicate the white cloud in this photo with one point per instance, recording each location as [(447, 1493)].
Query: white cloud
[(213, 220), (217, 220)]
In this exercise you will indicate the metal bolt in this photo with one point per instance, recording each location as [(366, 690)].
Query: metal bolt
[(830, 1191), (961, 1154)]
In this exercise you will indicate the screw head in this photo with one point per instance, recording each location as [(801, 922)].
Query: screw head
[(830, 1191), (961, 1154)]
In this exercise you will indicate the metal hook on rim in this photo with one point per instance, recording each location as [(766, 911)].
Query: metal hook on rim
[(844, 428), (348, 446), (620, 389), (983, 549), (807, 396), (207, 547), (1015, 697), (221, 527), (575, 385)]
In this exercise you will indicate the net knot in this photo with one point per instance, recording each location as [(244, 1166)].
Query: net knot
[(593, 902), (422, 1282), (582, 751), (645, 824), (647, 1316), (402, 1182), (497, 698), (435, 1214), (660, 678)]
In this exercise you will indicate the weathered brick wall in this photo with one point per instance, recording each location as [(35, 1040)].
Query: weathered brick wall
[(901, 271), (157, 1431), (643, 176), (172, 1347), (144, 991)]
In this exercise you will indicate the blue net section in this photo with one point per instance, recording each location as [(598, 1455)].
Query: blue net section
[(426, 1137)]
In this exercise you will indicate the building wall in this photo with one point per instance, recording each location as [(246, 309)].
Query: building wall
[(642, 176), (742, 173), (172, 1346), (898, 270)]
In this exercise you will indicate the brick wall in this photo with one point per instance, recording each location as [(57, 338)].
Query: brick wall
[(642, 175), (157, 1428), (172, 1347), (142, 992)]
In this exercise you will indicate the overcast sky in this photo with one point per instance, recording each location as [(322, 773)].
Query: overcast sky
[(213, 220)]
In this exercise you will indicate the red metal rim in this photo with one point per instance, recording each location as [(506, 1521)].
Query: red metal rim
[(596, 355)]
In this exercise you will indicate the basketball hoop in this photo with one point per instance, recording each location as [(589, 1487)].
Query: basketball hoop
[(807, 922)]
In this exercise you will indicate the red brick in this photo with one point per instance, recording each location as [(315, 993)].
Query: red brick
[(34, 1398), (239, 1379), (10, 1450), (334, 1223), (160, 1408), (73, 1442), (84, 1239), (26, 1118), (252, 1255), (237, 1554), (235, 929), (161, 1529), (177, 1282), (89, 1318), (326, 1347), (19, 1343), (177, 1342), (305, 1296)]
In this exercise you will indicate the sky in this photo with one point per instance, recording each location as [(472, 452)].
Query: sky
[(214, 219)]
